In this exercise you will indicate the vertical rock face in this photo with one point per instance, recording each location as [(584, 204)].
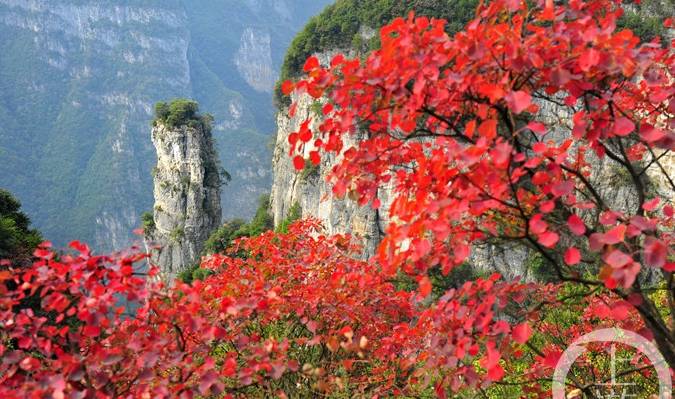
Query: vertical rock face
[(187, 196), (310, 190), (254, 59)]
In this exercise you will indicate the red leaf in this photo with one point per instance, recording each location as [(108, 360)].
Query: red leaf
[(470, 128), (287, 87), (560, 76), (548, 239), (537, 224), (655, 252), (425, 286), (562, 188), (292, 139), (537, 127), (43, 253), (651, 205), (551, 358), (576, 225), (311, 64), (572, 256), (588, 59), (614, 236), (623, 126), (651, 134), (488, 129), (518, 101), (521, 333), (305, 134), (91, 331), (496, 373), (314, 157), (299, 162), (617, 259)]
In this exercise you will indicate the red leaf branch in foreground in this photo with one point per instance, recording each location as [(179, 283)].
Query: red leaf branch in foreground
[(539, 125), (296, 310)]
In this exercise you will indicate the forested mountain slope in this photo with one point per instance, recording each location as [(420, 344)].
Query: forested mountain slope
[(78, 80)]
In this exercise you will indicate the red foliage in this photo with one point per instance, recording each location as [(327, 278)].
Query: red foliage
[(456, 125), (500, 133), (103, 330)]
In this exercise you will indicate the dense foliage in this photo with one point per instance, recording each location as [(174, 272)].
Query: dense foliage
[(17, 238), (297, 316), (338, 27), (181, 112), (505, 133)]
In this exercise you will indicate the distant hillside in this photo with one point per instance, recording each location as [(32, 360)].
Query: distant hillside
[(78, 80)]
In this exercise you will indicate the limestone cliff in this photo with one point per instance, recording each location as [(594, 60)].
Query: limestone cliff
[(187, 195), (310, 190), (79, 79)]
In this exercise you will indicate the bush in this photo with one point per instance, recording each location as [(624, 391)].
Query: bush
[(294, 214), (221, 239), (177, 234), (182, 112), (17, 238), (261, 222), (148, 222), (192, 273)]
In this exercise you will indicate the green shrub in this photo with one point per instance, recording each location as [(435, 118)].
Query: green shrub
[(17, 238), (646, 18), (177, 234), (221, 239), (295, 213), (148, 221), (182, 112), (310, 171), (262, 221), (193, 273)]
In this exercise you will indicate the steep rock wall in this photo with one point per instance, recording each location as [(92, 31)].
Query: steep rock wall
[(313, 193), (187, 196)]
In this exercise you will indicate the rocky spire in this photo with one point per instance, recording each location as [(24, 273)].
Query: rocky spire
[(187, 182)]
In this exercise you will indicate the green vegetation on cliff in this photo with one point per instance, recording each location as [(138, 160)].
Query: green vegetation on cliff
[(181, 112), (17, 239)]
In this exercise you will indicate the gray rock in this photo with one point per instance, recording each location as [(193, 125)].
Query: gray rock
[(187, 197)]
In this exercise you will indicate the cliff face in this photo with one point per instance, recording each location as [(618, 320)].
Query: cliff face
[(187, 196), (310, 190)]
